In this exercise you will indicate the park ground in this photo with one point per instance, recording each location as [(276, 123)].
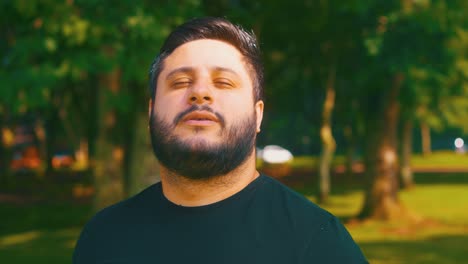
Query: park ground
[(38, 230)]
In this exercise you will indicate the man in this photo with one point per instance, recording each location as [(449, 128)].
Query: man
[(212, 206)]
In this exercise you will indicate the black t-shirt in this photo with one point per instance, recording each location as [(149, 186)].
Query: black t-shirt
[(266, 222)]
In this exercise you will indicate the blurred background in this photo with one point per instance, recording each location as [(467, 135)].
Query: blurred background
[(366, 114)]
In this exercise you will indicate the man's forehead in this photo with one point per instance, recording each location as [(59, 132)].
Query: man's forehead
[(211, 53)]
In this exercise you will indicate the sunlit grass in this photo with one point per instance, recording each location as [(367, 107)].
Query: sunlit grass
[(54, 246), (40, 232), (343, 205), (440, 238), (441, 159), (305, 162), (447, 203), (15, 239), (435, 160)]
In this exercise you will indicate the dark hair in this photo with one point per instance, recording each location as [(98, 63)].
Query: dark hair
[(217, 29)]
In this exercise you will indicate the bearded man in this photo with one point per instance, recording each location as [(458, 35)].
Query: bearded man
[(212, 205)]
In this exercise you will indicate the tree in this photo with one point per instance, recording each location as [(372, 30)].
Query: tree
[(423, 30), (83, 65)]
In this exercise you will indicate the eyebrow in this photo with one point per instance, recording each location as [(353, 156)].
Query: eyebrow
[(179, 70), (222, 69)]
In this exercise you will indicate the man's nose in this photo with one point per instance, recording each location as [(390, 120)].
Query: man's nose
[(201, 93)]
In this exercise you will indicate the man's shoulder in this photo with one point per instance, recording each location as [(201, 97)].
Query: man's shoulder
[(294, 201), (111, 225), (325, 237), (127, 209), (292, 210)]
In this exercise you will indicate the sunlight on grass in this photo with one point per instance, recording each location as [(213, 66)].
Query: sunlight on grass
[(441, 238), (345, 205), (310, 162), (447, 203), (304, 162), (40, 232), (19, 238), (441, 159), (438, 159), (54, 246)]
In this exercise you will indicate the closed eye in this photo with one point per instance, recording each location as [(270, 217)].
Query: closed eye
[(181, 83), (223, 83)]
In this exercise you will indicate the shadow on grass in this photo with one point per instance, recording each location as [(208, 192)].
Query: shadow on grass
[(38, 247), (437, 249), (437, 178), (42, 216), (42, 232)]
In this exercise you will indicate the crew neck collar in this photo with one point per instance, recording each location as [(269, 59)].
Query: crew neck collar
[(247, 189)]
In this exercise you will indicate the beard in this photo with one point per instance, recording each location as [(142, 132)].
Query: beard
[(199, 159)]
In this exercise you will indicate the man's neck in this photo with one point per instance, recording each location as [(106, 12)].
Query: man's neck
[(188, 192)]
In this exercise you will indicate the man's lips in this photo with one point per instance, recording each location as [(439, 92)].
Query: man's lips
[(200, 118)]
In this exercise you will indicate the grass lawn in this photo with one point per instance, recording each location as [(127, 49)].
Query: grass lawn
[(40, 233), (442, 237), (45, 232), (436, 160)]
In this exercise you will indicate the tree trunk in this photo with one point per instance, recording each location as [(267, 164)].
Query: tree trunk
[(108, 162), (381, 201), (407, 151), (51, 127), (348, 134), (326, 136), (93, 122), (6, 139), (4, 168), (142, 168), (426, 139)]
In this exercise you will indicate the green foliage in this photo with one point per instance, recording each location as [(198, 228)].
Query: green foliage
[(369, 42), (55, 51), (50, 44)]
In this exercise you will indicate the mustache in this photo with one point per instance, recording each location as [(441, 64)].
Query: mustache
[(194, 108)]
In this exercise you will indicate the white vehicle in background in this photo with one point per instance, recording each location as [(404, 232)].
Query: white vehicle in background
[(460, 146), (276, 154), (276, 160)]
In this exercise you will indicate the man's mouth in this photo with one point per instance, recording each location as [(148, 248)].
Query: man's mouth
[(200, 118)]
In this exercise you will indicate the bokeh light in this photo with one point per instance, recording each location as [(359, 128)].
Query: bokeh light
[(459, 143)]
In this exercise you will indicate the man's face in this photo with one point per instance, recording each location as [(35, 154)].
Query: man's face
[(204, 118)]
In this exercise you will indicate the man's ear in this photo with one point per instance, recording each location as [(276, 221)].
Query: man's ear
[(150, 107), (259, 105)]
